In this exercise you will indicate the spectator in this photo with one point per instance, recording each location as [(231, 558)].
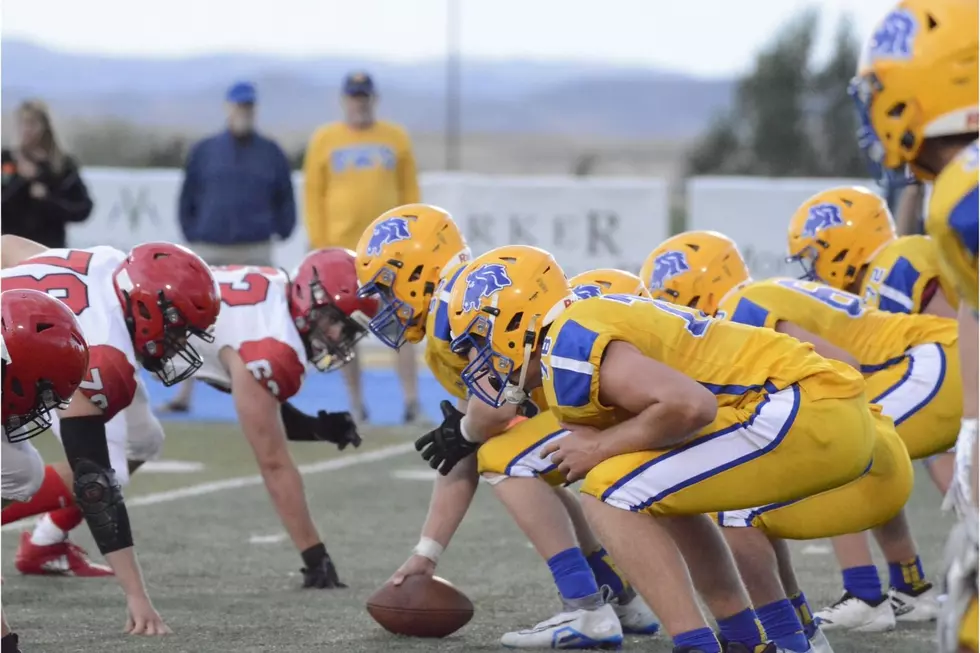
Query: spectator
[(355, 170), (237, 191), (237, 195), (42, 190)]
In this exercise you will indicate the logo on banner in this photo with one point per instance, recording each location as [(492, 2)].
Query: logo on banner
[(136, 207)]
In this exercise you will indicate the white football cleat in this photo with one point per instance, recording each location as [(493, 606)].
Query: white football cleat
[(852, 613), (572, 629), (819, 643), (919, 607), (636, 617)]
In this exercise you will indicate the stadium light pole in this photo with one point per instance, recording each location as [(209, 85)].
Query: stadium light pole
[(453, 85)]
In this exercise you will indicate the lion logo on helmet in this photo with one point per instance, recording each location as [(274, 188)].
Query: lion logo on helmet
[(387, 232), (667, 266), (820, 217), (586, 290), (483, 282), (894, 37)]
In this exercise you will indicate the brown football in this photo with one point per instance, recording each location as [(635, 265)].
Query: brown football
[(420, 607)]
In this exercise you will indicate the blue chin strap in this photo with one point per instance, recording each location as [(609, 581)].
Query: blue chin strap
[(890, 180)]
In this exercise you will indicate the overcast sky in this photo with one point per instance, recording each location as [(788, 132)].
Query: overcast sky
[(706, 37)]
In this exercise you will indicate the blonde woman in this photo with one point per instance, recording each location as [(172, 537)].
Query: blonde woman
[(42, 190)]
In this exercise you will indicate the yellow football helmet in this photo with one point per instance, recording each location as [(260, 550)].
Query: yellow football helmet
[(607, 281), (917, 79), (400, 259), (695, 269), (837, 232), (499, 307)]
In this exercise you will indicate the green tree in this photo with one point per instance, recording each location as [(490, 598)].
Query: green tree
[(787, 119)]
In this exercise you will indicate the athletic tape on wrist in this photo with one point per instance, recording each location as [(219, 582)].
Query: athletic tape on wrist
[(428, 548)]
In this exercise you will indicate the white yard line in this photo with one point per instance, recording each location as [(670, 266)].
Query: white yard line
[(248, 481)]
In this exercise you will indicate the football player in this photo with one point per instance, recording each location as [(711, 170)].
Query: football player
[(135, 309), (667, 415), (845, 238), (916, 91), (410, 258), (52, 359), (910, 363), (270, 326), (607, 281)]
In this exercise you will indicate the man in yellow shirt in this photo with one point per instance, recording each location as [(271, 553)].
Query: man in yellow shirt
[(355, 170)]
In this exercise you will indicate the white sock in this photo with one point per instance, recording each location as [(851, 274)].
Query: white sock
[(46, 533)]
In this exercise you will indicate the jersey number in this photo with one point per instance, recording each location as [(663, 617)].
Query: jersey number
[(93, 387), (250, 290), (71, 290), (697, 322), (262, 371), (836, 299)]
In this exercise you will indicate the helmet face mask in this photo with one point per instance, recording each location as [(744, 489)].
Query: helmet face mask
[(331, 335), (396, 321), (38, 418)]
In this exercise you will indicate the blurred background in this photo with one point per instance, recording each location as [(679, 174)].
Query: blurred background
[(593, 129)]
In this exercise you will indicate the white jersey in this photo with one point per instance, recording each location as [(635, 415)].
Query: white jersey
[(82, 280), (255, 321)]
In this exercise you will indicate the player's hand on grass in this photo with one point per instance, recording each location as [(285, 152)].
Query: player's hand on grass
[(143, 619), (416, 565), (576, 453), (322, 575), (444, 446), (338, 428)]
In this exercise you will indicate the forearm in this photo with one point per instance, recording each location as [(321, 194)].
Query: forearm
[(968, 360), (482, 421), (285, 486), (451, 498), (127, 570), (660, 425)]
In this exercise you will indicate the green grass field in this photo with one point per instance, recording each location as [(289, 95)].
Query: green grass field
[(225, 578)]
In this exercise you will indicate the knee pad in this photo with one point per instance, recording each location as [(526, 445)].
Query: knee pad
[(100, 498)]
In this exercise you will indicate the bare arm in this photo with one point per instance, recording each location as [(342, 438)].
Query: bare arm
[(452, 495), (258, 413), (908, 213), (938, 305), (969, 356), (821, 346), (14, 250), (667, 406)]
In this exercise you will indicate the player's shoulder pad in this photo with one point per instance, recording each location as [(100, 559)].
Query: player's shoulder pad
[(275, 365), (111, 380)]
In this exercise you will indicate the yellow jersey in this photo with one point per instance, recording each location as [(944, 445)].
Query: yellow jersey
[(877, 339), (952, 222), (351, 176), (445, 365), (904, 275), (739, 364)]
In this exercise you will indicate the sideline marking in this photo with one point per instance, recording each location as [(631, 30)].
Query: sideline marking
[(248, 481)]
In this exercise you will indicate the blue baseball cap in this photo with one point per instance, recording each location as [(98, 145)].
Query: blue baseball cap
[(358, 83), (242, 93)]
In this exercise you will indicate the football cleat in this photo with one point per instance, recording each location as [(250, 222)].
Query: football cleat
[(573, 628), (852, 613), (61, 559), (635, 616), (922, 605)]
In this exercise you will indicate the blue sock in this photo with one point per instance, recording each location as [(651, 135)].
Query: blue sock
[(743, 628), (863, 582), (907, 576), (805, 614), (782, 626), (702, 639), (572, 574), (605, 571)]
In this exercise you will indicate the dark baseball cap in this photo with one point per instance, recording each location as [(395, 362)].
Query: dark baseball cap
[(358, 83), (242, 93)]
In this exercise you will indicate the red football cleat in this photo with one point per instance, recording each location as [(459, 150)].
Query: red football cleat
[(62, 559)]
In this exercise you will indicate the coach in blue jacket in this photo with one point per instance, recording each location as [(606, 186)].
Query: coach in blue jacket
[(237, 191)]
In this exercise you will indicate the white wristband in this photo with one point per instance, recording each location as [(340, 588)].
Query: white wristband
[(428, 548)]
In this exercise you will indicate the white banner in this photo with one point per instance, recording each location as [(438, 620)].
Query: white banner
[(755, 213), (585, 222)]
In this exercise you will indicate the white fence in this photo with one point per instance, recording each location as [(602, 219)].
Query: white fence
[(586, 222)]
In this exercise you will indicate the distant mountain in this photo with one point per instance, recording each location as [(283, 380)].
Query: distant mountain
[(297, 94)]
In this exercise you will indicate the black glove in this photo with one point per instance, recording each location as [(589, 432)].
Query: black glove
[(444, 446), (338, 428), (319, 572)]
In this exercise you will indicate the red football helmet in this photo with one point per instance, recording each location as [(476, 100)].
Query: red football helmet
[(326, 310), (45, 359), (168, 294)]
